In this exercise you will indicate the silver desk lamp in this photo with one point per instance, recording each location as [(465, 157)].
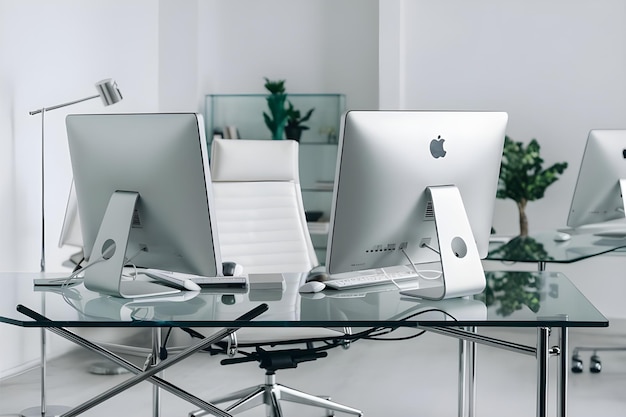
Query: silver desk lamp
[(110, 94)]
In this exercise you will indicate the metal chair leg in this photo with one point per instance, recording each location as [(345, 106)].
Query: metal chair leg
[(270, 394), (290, 394)]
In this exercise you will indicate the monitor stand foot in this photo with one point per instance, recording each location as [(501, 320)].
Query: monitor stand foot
[(51, 411)]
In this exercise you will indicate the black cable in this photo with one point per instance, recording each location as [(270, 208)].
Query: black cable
[(167, 336), (163, 348), (78, 266), (396, 339), (369, 334), (421, 332)]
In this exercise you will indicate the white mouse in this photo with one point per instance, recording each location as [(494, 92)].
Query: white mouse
[(562, 237), (312, 286)]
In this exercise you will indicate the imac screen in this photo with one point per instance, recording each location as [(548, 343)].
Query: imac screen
[(143, 183), (382, 213), (598, 195)]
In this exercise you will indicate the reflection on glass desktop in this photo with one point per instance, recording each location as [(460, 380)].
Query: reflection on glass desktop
[(182, 305), (144, 195), (414, 187), (387, 305)]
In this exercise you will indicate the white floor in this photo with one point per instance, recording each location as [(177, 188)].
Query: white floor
[(415, 377)]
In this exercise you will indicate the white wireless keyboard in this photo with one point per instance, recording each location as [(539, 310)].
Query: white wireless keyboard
[(368, 280)]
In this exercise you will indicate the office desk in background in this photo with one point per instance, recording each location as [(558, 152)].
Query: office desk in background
[(541, 248), (541, 300)]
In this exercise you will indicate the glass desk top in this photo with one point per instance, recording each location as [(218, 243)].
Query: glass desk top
[(541, 247), (511, 298)]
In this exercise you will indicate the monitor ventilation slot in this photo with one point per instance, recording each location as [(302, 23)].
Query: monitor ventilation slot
[(429, 213), (136, 221)]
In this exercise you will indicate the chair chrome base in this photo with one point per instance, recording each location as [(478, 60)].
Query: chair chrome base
[(595, 364), (270, 394)]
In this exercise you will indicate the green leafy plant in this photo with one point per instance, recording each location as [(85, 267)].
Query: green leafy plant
[(277, 119), (522, 177), (294, 127)]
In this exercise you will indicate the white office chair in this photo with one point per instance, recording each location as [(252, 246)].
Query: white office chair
[(261, 226), (258, 202)]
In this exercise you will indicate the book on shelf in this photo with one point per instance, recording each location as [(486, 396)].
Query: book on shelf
[(324, 185), (231, 132), (218, 134), (321, 227)]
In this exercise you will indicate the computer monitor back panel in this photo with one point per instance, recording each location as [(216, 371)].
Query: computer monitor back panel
[(163, 158), (597, 196), (386, 161)]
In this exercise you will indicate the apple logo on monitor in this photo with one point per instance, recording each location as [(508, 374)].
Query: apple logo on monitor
[(624, 153), (436, 147)]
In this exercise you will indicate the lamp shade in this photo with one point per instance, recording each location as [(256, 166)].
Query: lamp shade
[(108, 91)]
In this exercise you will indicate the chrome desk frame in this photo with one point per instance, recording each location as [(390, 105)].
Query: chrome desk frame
[(542, 352), (150, 373), (560, 309)]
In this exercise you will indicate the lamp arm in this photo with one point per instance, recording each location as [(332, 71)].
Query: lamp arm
[(62, 105)]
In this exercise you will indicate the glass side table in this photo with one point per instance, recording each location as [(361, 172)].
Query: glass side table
[(542, 248)]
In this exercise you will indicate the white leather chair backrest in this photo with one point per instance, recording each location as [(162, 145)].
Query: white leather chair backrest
[(258, 204), (71, 232)]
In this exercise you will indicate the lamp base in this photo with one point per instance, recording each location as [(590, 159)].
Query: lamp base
[(106, 368), (51, 411)]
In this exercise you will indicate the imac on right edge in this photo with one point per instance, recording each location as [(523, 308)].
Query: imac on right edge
[(416, 186), (599, 192)]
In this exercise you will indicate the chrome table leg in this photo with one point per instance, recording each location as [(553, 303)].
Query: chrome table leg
[(563, 372), (543, 354)]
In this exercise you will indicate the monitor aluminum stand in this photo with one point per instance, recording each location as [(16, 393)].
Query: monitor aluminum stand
[(461, 266), (103, 274)]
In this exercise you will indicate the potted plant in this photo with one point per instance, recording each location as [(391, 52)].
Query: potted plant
[(522, 177), (277, 119), (294, 127)]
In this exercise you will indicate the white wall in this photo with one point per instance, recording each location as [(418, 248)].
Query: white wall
[(50, 61), (178, 55), (557, 67), (321, 46)]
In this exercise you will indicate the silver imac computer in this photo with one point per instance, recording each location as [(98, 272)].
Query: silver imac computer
[(599, 195), (144, 195), (416, 187)]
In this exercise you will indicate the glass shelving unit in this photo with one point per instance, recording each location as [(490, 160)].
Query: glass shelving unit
[(243, 114)]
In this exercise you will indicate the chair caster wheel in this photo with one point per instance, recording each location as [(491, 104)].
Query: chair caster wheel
[(577, 364), (595, 365)]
